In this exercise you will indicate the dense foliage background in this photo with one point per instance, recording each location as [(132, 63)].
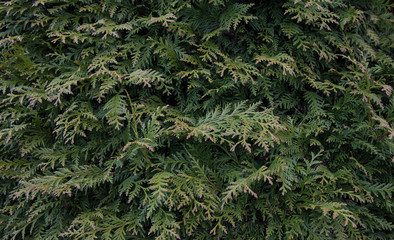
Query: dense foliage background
[(221, 119)]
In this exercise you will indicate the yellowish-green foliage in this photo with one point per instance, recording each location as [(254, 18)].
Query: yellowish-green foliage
[(202, 119)]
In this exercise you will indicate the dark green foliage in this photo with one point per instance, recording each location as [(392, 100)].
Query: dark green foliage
[(200, 119)]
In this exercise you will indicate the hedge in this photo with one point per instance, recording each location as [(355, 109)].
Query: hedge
[(220, 119)]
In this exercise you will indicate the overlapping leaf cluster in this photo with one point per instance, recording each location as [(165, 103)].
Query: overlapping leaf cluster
[(200, 119)]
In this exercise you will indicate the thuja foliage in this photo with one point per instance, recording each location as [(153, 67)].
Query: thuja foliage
[(220, 119)]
